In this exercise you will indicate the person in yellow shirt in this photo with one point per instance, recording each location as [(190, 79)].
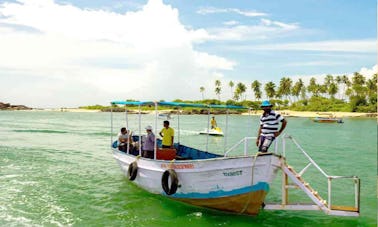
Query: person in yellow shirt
[(213, 123), (168, 134)]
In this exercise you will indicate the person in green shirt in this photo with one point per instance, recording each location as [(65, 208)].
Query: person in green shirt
[(168, 134)]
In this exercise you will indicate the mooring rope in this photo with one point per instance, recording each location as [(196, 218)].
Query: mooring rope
[(250, 193)]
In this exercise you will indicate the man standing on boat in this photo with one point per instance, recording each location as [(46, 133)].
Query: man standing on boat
[(167, 133), (268, 130)]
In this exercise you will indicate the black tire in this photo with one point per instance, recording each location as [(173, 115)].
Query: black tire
[(132, 171), (169, 189)]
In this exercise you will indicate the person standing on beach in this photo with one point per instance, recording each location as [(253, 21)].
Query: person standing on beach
[(268, 130), (168, 134)]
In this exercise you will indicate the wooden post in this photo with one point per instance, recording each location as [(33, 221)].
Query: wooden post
[(284, 189)]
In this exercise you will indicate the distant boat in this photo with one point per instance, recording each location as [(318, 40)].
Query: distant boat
[(328, 120), (212, 132), (166, 116)]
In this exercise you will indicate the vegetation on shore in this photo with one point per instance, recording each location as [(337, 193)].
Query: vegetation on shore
[(358, 94)]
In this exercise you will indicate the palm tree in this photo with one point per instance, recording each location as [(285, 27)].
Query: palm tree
[(239, 91), (285, 87), (218, 88), (339, 81), (231, 84), (358, 82), (328, 80), (256, 89), (270, 89), (202, 90), (313, 87), (371, 86), (297, 88), (346, 83), (332, 89)]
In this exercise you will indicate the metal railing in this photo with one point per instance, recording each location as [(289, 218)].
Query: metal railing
[(245, 141), (355, 179)]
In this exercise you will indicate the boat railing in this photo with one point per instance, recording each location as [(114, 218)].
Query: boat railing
[(331, 208), (248, 145)]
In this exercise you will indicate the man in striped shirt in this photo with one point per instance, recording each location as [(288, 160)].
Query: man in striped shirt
[(268, 130)]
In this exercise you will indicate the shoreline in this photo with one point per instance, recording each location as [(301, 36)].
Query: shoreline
[(285, 113)]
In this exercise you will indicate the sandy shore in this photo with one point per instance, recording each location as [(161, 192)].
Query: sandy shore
[(291, 113), (76, 110), (286, 113)]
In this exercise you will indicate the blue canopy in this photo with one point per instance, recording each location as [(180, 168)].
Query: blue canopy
[(178, 104)]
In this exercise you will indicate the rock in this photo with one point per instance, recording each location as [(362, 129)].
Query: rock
[(8, 106)]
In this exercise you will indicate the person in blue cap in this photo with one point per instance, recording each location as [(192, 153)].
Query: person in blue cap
[(269, 124)]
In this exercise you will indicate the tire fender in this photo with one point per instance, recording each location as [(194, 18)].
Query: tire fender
[(172, 188), (132, 171)]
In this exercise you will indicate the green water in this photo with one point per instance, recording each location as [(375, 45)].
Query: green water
[(56, 169)]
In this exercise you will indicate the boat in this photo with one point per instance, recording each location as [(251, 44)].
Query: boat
[(165, 116), (212, 132), (235, 180), (328, 120)]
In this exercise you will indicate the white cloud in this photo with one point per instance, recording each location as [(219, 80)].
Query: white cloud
[(320, 77), (231, 22), (213, 10), (68, 56), (315, 63), (286, 26), (251, 32), (367, 46), (369, 72)]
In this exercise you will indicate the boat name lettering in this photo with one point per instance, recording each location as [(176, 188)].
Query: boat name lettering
[(234, 173), (177, 166)]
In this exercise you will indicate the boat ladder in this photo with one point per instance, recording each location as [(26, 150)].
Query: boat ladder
[(298, 182)]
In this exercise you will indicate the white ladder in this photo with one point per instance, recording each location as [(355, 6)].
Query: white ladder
[(288, 172)]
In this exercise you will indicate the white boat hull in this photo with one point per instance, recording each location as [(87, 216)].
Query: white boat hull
[(234, 184)]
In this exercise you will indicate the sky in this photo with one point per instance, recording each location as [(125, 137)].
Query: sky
[(71, 53)]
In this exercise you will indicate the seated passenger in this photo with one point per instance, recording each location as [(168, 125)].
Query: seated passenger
[(124, 139), (148, 146)]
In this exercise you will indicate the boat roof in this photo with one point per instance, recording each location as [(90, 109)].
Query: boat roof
[(177, 104)]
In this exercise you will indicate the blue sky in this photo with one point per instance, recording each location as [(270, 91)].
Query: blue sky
[(72, 53)]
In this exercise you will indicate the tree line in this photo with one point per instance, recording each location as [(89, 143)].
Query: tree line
[(335, 93)]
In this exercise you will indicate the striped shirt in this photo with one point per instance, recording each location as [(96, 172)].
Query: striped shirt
[(269, 123)]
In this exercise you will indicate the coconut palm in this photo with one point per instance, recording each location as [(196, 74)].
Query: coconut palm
[(328, 80), (339, 81), (231, 84), (218, 88), (346, 82), (332, 89), (255, 86), (297, 88), (313, 87), (239, 91), (371, 86), (285, 87), (202, 90), (358, 82), (270, 89)]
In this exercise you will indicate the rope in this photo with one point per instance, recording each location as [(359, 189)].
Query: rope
[(249, 195), (171, 163)]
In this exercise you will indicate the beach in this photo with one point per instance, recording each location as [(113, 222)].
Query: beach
[(285, 113)]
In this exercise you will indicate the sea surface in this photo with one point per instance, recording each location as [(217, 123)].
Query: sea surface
[(56, 169)]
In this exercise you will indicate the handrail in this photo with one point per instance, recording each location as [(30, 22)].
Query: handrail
[(245, 139), (329, 177), (305, 153)]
